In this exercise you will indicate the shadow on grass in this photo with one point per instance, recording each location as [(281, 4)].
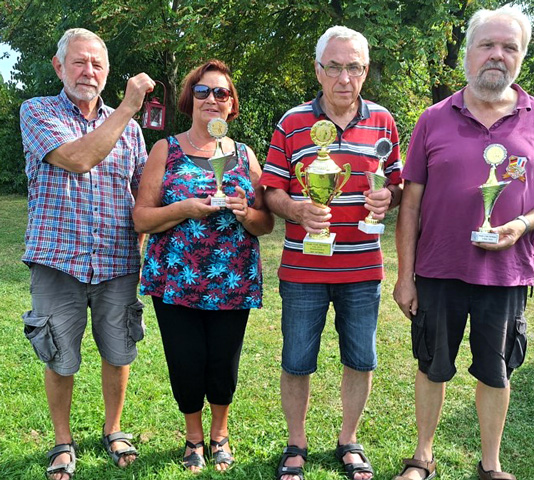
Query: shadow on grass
[(93, 463), (458, 433)]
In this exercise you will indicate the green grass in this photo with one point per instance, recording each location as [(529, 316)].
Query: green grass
[(258, 431)]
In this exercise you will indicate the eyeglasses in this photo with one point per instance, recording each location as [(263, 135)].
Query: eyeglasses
[(202, 92), (334, 71)]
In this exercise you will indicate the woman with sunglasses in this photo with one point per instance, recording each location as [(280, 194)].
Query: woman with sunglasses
[(202, 265)]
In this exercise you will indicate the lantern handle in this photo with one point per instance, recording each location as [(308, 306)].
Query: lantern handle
[(164, 91)]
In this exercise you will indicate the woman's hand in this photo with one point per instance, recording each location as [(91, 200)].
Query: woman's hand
[(197, 207), (238, 204)]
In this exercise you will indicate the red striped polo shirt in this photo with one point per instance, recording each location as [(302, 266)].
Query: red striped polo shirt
[(357, 256)]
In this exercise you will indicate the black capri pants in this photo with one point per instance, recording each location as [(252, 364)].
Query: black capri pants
[(202, 349)]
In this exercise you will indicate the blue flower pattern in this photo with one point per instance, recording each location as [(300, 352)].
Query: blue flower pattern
[(211, 263)]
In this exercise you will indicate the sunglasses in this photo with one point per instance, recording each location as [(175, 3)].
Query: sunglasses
[(201, 92)]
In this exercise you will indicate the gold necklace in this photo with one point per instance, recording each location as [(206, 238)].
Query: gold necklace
[(194, 146)]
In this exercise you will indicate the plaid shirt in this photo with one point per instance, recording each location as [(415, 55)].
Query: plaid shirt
[(80, 223)]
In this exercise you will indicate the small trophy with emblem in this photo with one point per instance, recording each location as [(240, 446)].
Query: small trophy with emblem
[(494, 155), (377, 180), (218, 128), (322, 181)]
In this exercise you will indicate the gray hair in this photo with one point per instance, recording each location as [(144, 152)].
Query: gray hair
[(344, 33), (483, 16), (72, 34)]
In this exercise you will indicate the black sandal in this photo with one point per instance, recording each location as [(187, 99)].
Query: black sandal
[(116, 455), (291, 451), (194, 459), (352, 468), (219, 455), (63, 468)]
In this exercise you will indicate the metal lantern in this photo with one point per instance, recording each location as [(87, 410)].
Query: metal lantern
[(154, 112)]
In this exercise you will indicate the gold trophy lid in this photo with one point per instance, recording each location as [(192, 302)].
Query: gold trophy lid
[(494, 155), (323, 133), (217, 127)]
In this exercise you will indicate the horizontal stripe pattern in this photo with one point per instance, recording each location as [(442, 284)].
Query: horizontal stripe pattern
[(357, 256)]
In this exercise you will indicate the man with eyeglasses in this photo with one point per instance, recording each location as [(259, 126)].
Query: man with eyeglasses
[(350, 278)]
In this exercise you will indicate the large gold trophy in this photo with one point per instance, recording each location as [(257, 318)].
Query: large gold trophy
[(218, 128), (377, 180), (494, 155), (322, 181)]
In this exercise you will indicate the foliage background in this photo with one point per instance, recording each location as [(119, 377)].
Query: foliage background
[(415, 52)]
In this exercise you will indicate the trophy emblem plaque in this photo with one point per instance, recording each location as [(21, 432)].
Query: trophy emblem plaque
[(218, 128), (322, 181), (377, 180), (494, 155)]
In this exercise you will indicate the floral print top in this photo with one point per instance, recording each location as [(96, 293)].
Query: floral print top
[(211, 263)]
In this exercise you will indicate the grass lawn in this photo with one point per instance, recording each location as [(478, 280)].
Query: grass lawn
[(257, 427)]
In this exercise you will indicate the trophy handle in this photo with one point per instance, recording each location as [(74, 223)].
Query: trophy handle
[(345, 177), (299, 174)]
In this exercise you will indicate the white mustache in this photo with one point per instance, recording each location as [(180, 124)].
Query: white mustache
[(494, 65)]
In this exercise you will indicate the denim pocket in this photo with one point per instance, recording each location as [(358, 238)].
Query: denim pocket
[(134, 321), (38, 332), (420, 349), (520, 343)]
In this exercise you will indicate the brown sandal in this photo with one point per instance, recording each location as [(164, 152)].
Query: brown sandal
[(492, 474), (428, 467)]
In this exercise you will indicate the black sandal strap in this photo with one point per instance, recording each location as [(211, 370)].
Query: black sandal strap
[(194, 459)]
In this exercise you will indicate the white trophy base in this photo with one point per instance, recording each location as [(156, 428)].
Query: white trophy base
[(218, 201), (318, 246), (369, 228), (484, 237)]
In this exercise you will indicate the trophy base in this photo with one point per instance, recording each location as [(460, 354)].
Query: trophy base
[(319, 246), (484, 237), (370, 229), (218, 201)]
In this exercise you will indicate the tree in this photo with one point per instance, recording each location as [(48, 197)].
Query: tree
[(415, 45)]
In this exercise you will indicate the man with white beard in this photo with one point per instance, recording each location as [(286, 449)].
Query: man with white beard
[(83, 161), (443, 276)]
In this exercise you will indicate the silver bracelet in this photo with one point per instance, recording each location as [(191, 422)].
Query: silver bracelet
[(525, 221)]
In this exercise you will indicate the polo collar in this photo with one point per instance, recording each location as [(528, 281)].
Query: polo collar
[(524, 101), (362, 113)]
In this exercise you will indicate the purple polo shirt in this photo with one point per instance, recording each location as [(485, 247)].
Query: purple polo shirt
[(446, 155)]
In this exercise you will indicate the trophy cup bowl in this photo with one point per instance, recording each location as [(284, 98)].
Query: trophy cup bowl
[(322, 181), (322, 188), (218, 164), (490, 194), (377, 180)]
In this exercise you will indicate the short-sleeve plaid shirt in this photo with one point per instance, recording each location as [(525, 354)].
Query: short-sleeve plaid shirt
[(80, 223)]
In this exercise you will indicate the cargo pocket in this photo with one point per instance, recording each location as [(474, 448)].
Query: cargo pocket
[(520, 343), (419, 347), (38, 332), (135, 323)]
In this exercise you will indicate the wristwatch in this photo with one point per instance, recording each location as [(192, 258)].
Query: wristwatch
[(525, 221)]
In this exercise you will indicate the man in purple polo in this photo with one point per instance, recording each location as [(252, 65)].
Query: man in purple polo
[(444, 277), (84, 162)]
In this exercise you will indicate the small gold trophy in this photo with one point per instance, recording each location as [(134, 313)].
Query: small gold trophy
[(322, 182), (377, 180), (218, 128), (494, 155)]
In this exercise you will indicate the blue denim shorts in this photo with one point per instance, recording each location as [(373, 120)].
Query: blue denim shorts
[(56, 324), (304, 309)]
